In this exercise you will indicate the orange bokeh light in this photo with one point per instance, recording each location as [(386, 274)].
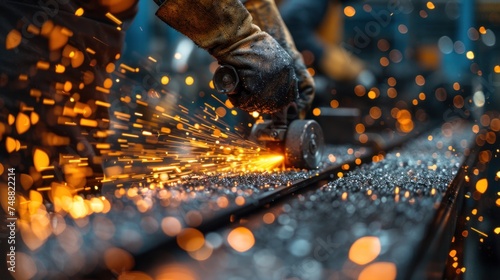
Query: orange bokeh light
[(190, 239), (365, 250), (379, 271), (241, 239)]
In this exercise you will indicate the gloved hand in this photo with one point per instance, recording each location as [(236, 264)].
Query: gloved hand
[(224, 28), (266, 15)]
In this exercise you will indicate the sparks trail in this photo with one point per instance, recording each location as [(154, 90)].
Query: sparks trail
[(161, 134)]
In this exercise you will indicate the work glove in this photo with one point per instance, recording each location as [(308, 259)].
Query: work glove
[(224, 28), (265, 14)]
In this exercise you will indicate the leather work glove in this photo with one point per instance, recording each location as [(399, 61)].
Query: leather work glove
[(266, 15), (224, 28)]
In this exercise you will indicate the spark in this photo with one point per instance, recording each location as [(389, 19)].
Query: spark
[(113, 18), (103, 90), (128, 68), (100, 41), (79, 12), (480, 232)]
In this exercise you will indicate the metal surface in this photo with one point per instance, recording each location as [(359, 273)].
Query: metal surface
[(205, 202), (317, 215), (399, 209)]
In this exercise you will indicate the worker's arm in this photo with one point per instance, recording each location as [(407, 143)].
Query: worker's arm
[(266, 15), (224, 28)]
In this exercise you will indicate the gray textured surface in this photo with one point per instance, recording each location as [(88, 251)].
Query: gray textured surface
[(191, 200), (393, 200)]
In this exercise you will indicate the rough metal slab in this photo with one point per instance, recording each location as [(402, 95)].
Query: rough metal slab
[(376, 220), (141, 218)]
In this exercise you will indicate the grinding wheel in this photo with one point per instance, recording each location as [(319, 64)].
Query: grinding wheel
[(304, 144)]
